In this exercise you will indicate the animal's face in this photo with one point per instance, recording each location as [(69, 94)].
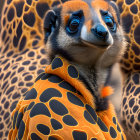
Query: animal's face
[(83, 30)]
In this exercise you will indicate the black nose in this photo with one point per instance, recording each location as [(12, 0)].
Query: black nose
[(100, 32)]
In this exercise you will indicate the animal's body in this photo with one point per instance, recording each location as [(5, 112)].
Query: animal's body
[(21, 19), (89, 36)]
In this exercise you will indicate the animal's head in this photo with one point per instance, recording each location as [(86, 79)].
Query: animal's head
[(82, 31)]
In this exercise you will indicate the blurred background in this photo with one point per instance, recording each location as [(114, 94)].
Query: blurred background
[(1, 5)]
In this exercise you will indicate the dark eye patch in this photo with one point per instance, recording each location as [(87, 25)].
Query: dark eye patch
[(109, 20)]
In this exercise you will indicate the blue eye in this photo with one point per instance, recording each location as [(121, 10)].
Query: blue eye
[(110, 23), (73, 25), (109, 20)]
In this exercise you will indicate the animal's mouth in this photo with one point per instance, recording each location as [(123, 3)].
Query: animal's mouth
[(101, 46)]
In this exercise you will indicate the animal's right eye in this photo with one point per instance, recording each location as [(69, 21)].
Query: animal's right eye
[(73, 25)]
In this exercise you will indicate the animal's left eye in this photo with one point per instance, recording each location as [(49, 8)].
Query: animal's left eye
[(109, 20), (73, 25)]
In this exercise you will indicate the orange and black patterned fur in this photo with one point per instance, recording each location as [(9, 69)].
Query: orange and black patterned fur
[(70, 100)]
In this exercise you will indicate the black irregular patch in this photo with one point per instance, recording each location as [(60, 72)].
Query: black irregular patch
[(88, 117), (72, 71), (43, 129), (77, 135), (54, 79), (29, 2), (136, 49), (118, 128), (40, 109), (14, 119), (21, 130), (30, 105), (67, 86), (92, 112), (10, 90), (134, 9), (52, 138), (137, 91), (93, 139), (56, 124), (19, 32), (45, 76), (32, 94), (69, 120), (34, 136), (19, 118), (22, 43), (113, 132), (29, 19), (3, 35), (10, 14), (137, 127), (114, 120), (55, 3), (19, 8), (39, 76), (136, 79), (129, 2), (135, 108), (102, 125), (49, 93), (57, 63), (74, 99), (127, 22), (131, 102), (13, 106), (136, 34), (42, 8), (58, 107)]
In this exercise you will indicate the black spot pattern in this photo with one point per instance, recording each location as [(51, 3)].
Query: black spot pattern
[(29, 2), (113, 133), (137, 91), (19, 8), (45, 76), (92, 112), (39, 76), (19, 32), (127, 22), (67, 86), (34, 136), (77, 135), (57, 63), (40, 109), (29, 19), (41, 9), (30, 105), (15, 118), (21, 130), (114, 120), (118, 128), (134, 9), (74, 99), (54, 79), (52, 138), (131, 102), (58, 107), (10, 14), (88, 117), (43, 129), (49, 93), (136, 34), (19, 118), (72, 71), (102, 125), (22, 43), (32, 94), (69, 120), (56, 124)]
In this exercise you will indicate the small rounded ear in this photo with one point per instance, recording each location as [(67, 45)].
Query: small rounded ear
[(116, 8), (49, 23)]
